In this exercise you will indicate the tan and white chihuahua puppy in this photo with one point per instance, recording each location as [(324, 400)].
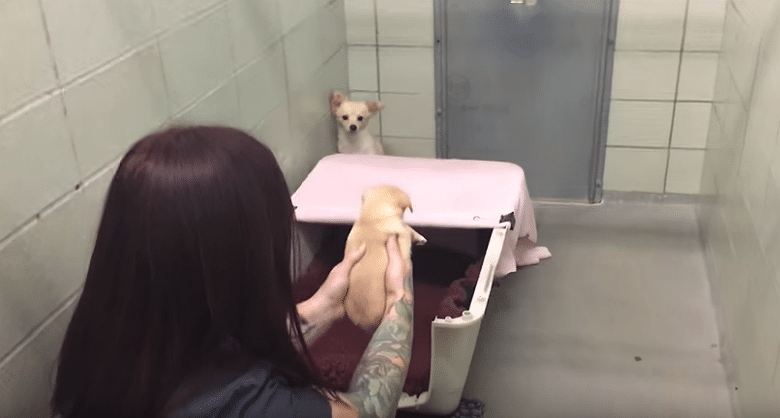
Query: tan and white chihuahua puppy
[(352, 119), (380, 216)]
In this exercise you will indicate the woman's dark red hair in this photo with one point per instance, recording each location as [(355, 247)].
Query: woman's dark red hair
[(191, 272)]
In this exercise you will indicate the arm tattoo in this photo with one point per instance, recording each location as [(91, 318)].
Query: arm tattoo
[(379, 378), (311, 332)]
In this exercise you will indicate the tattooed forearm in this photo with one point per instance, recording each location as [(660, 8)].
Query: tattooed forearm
[(316, 316), (311, 331), (379, 378)]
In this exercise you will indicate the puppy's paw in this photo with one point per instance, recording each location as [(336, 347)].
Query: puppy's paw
[(420, 240)]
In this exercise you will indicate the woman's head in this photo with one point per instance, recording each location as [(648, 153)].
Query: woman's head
[(192, 255)]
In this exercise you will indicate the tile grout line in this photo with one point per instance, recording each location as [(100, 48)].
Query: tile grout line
[(288, 93), (425, 46), (85, 77), (38, 328), (659, 148), (234, 57), (663, 101), (60, 91), (676, 94), (378, 75), (110, 63), (168, 104), (668, 51), (58, 202)]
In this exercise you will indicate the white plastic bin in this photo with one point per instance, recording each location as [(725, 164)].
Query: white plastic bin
[(445, 194)]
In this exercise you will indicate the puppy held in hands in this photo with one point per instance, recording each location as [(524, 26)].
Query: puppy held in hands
[(381, 215), (352, 120)]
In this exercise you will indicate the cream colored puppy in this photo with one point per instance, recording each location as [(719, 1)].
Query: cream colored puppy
[(381, 215), (352, 119)]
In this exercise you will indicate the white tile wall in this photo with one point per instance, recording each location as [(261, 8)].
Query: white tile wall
[(635, 169), (650, 26), (361, 22), (262, 86), (332, 76), (764, 118), (332, 34), (292, 13), (405, 22), (765, 308), (399, 35), (685, 167), (127, 68), (754, 170), (44, 266), (645, 75), (87, 33), (769, 232), (310, 105), (274, 130), (306, 110), (196, 58), (757, 12), (741, 47), (254, 25), (23, 79), (170, 12), (704, 25), (639, 124), (657, 69), (319, 143), (406, 70), (775, 162), (722, 80), (219, 107), (408, 115), (697, 75), (363, 68), (37, 162), (740, 161), (734, 111), (109, 111), (410, 147), (691, 123), (303, 52), (27, 377)]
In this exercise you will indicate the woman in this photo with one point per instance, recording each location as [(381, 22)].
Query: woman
[(187, 309)]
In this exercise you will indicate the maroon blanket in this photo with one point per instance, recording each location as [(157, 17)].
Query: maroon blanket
[(338, 352)]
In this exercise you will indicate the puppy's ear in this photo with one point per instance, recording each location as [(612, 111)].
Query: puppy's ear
[(336, 100), (374, 107), (403, 200)]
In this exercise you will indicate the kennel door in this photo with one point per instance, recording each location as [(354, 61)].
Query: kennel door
[(526, 82)]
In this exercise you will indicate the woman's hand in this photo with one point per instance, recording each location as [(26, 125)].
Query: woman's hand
[(334, 289), (398, 279), (327, 305)]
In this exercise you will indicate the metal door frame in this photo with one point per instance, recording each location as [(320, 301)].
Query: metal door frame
[(596, 183)]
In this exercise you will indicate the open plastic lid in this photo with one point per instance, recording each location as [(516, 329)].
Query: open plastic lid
[(444, 192)]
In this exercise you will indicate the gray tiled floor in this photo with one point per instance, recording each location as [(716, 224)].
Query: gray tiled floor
[(618, 323)]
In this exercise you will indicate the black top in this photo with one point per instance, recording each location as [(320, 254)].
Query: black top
[(257, 393)]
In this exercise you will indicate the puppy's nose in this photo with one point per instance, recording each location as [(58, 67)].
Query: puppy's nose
[(353, 127)]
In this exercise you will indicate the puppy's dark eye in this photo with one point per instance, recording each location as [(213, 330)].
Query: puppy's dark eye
[(345, 117), (360, 117)]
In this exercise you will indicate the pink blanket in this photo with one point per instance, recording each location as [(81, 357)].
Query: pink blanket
[(444, 193)]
